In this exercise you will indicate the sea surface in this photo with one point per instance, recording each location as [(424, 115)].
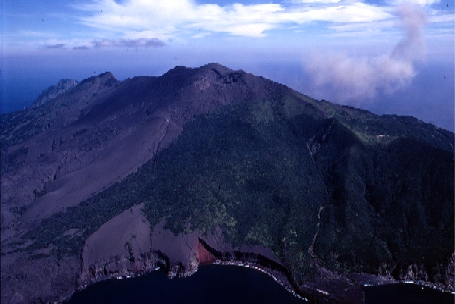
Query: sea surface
[(232, 284), (406, 293), (210, 284)]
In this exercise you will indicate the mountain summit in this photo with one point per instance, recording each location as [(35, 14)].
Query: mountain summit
[(54, 91), (109, 178)]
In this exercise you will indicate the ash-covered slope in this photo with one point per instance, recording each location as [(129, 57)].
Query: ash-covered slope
[(235, 160), (60, 153)]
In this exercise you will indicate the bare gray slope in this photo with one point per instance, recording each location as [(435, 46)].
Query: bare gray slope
[(80, 142)]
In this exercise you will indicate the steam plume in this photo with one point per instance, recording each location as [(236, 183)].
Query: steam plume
[(355, 79)]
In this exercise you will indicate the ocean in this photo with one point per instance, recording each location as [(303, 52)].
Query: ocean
[(233, 284), (210, 284)]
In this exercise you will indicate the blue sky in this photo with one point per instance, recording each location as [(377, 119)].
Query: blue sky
[(370, 54)]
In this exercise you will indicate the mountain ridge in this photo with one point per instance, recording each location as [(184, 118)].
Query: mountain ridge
[(82, 159)]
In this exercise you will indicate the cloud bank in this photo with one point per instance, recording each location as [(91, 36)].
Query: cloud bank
[(358, 80), (129, 43), (55, 46), (122, 43)]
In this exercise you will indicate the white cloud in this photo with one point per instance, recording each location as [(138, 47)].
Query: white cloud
[(415, 2), (361, 28), (358, 79), (353, 12), (438, 17), (313, 1), (164, 19)]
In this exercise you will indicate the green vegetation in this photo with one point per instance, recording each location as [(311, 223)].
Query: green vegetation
[(249, 178), (391, 203), (248, 169), (375, 129), (18, 126)]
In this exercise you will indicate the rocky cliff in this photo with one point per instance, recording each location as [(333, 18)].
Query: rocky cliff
[(54, 91)]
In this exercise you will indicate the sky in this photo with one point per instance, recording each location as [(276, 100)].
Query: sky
[(387, 56)]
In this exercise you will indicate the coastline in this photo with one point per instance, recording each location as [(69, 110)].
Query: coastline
[(176, 271), (181, 256), (312, 291)]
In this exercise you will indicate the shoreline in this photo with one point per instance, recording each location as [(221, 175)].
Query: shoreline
[(330, 287), (277, 276), (314, 294)]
